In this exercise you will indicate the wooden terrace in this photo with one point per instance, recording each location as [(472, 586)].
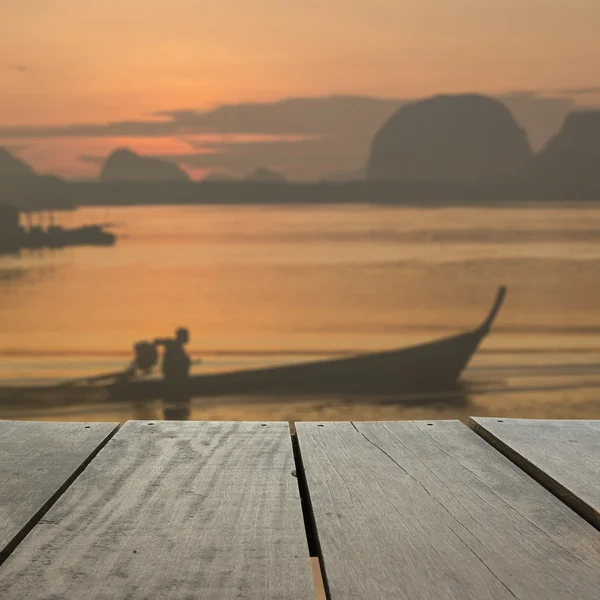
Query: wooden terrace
[(502, 509)]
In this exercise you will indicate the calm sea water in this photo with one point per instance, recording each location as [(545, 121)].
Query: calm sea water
[(264, 285)]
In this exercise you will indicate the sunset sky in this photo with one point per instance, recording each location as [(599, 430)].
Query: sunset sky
[(66, 62)]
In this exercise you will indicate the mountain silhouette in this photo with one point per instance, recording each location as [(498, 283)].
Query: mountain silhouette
[(344, 176), (263, 174), (11, 165), (461, 137), (36, 192), (218, 176), (572, 157), (329, 134), (125, 165)]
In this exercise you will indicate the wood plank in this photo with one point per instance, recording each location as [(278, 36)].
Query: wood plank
[(37, 462), (564, 456), (173, 510), (429, 510)]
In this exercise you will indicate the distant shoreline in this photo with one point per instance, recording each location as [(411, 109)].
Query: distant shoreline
[(403, 193), (231, 193)]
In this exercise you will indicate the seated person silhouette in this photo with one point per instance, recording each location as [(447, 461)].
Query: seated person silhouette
[(176, 372)]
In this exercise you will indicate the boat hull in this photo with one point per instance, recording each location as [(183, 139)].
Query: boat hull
[(431, 367), (425, 369)]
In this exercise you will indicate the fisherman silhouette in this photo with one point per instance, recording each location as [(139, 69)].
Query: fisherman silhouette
[(176, 373)]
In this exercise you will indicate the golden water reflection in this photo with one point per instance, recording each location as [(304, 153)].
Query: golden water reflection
[(265, 285)]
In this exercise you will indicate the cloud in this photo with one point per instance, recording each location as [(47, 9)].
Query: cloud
[(305, 159), (91, 159), (582, 91), (118, 129), (296, 116), (17, 147), (239, 140), (337, 116), (18, 68)]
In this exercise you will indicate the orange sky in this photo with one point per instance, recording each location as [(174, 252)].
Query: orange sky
[(120, 58), (64, 61)]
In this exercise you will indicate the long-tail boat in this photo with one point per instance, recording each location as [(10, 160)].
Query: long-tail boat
[(424, 369), (430, 367)]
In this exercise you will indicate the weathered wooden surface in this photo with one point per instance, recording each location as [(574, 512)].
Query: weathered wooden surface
[(176, 510), (564, 456), (429, 510), (37, 461)]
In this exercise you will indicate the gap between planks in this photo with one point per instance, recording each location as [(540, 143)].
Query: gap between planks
[(558, 490), (39, 515), (310, 530), (310, 526)]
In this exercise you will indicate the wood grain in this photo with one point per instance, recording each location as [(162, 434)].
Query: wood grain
[(428, 510), (37, 462), (176, 510), (564, 456)]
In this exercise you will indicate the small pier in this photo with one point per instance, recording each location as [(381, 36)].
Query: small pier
[(498, 509), (20, 230)]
